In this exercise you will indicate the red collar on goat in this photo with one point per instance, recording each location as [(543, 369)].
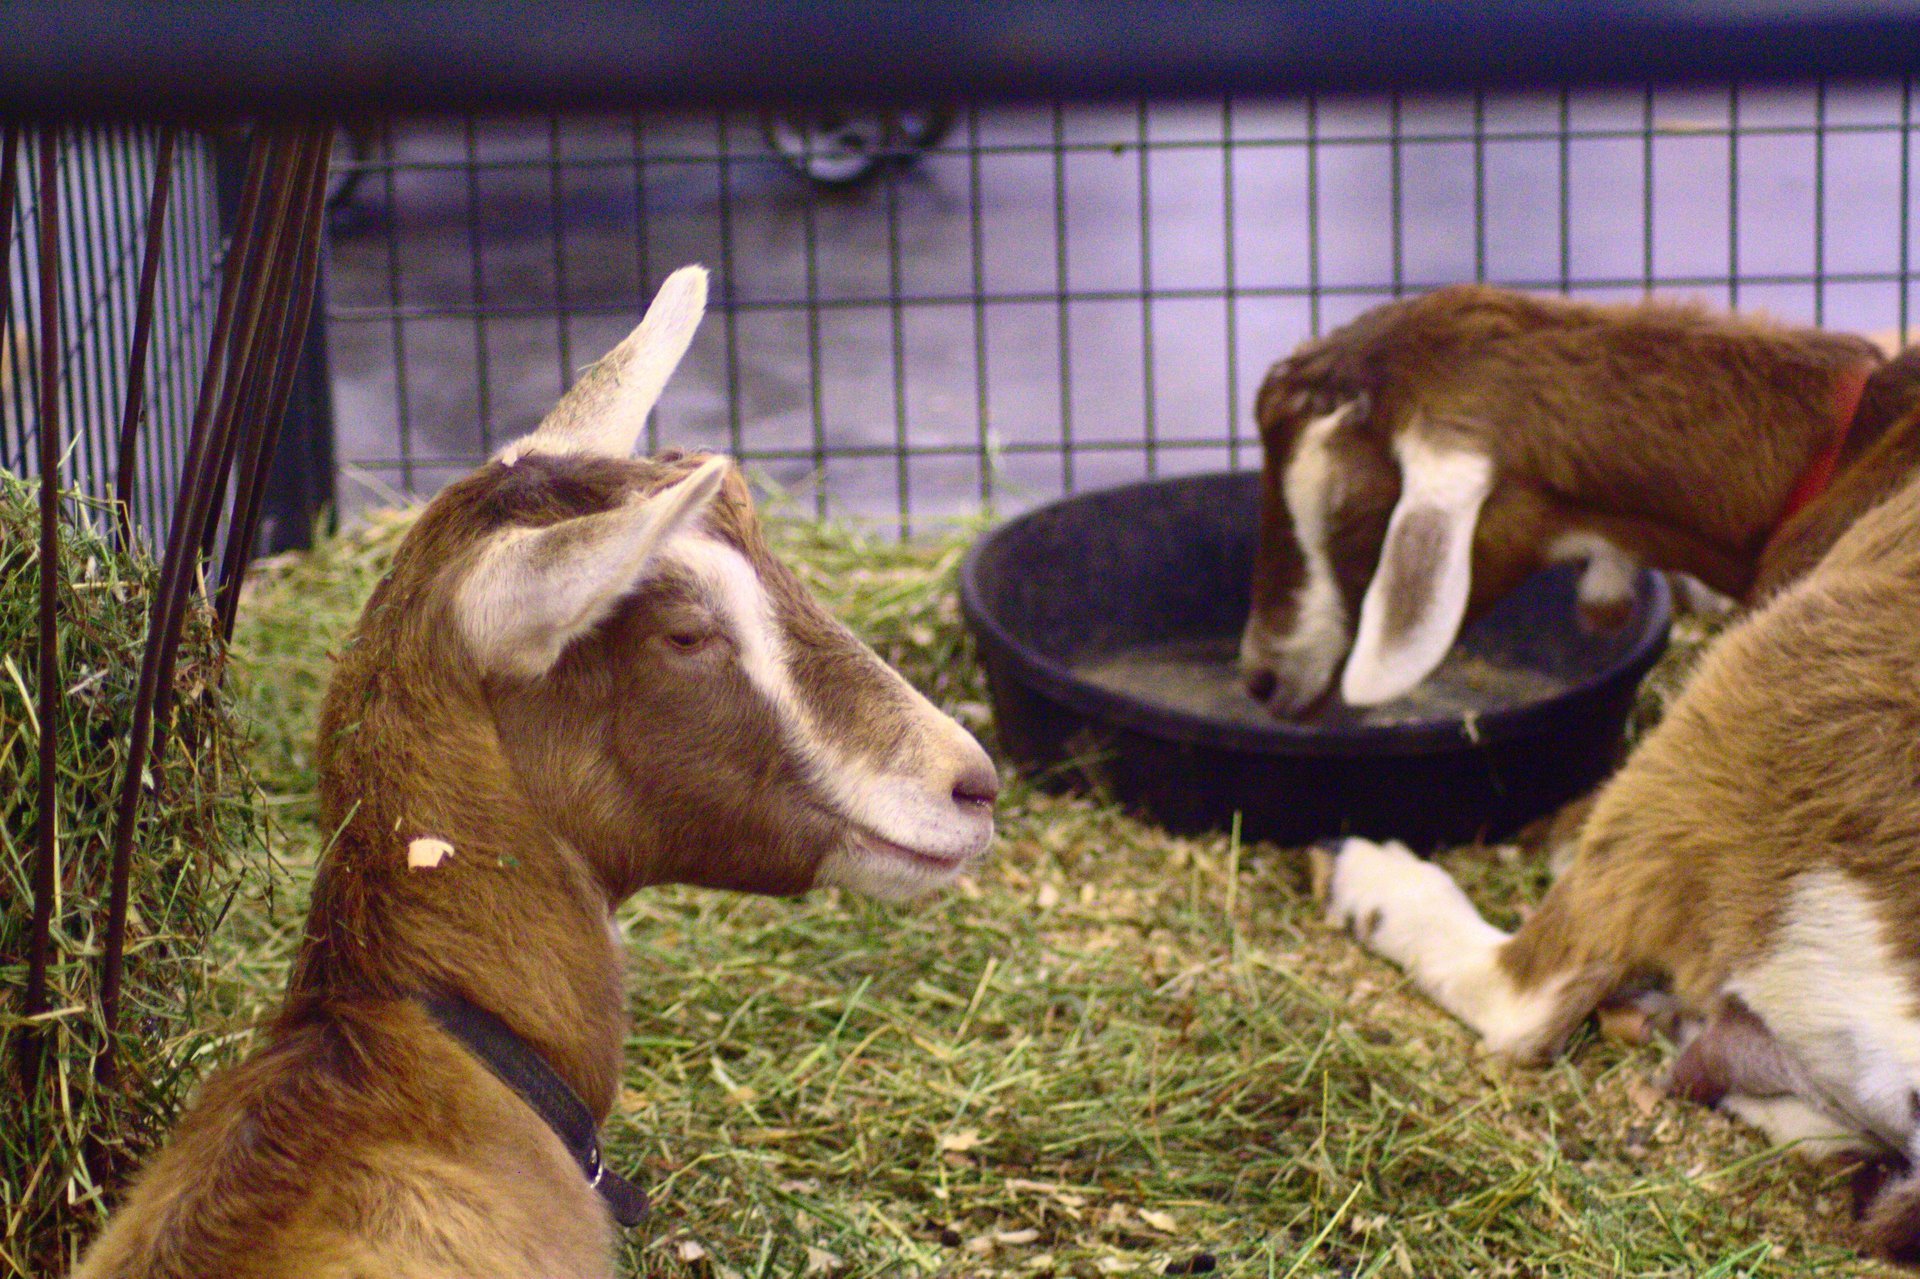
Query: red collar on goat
[(1819, 473)]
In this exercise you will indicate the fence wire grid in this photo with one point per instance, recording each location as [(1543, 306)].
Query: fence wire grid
[(1057, 297), (105, 176)]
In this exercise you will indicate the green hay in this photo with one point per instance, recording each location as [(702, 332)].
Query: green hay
[(1110, 1051), (200, 823)]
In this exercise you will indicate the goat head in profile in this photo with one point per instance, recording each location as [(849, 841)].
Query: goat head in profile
[(585, 674), (1424, 459)]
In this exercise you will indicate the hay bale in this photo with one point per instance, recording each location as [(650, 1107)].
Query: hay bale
[(69, 1142)]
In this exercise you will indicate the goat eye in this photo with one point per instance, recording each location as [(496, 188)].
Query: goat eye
[(689, 639)]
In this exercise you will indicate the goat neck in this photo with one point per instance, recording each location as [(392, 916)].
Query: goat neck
[(442, 876)]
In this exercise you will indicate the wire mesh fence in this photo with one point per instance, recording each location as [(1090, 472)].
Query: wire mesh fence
[(106, 180), (1041, 299)]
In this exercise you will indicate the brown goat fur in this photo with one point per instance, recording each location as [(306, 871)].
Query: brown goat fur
[(1668, 433), (700, 719), (1759, 853)]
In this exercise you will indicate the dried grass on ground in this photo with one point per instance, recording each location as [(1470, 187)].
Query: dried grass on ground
[(1112, 1052)]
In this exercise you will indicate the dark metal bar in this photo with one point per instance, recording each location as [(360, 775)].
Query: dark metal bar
[(816, 374), (1311, 291), (228, 56), (131, 414), (1479, 186), (977, 251), (1733, 196), (402, 402), (46, 849), (1564, 158), (9, 191), (1251, 142), (1148, 422), (282, 357), (729, 291), (1396, 201), (1229, 278), (1027, 448), (1646, 190), (1820, 204), (642, 253), (556, 193), (1062, 287), (477, 267), (167, 611), (265, 277), (1906, 202), (897, 335)]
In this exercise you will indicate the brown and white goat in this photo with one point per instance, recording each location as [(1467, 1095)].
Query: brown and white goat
[(1425, 458), (1758, 854), (585, 674)]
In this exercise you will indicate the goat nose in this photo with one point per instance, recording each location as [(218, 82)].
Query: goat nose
[(977, 783), (1261, 683)]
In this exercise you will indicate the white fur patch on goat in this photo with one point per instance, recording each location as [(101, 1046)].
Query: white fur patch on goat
[(427, 852), (1608, 581), (896, 809), (1410, 911), (1307, 655), (1833, 991), (1414, 606), (1792, 1121)]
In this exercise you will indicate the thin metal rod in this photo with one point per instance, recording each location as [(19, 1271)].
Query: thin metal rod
[(1061, 286), (167, 611), (1733, 197), (304, 259), (977, 258), (816, 375), (1820, 204), (1230, 282), (1906, 202), (263, 280), (477, 268), (1149, 418), (402, 399), (46, 842), (123, 476)]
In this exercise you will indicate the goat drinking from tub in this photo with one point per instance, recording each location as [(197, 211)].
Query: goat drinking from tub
[(1425, 458), (1759, 853), (585, 674)]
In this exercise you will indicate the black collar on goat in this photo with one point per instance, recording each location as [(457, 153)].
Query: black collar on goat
[(515, 1063)]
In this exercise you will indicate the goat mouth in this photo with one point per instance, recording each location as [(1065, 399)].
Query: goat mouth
[(870, 842)]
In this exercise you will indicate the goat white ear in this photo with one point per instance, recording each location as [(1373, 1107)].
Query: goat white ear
[(606, 410), (536, 590), (1417, 600)]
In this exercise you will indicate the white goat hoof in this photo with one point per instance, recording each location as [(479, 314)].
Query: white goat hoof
[(1386, 896)]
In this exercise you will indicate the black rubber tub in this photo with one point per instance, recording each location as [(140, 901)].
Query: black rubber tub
[(1169, 562)]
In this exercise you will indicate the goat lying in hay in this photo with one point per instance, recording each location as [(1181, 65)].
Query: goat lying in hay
[(1759, 852), (1425, 458), (585, 674)]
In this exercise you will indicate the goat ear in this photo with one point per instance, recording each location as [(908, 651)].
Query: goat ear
[(1417, 600), (607, 408), (536, 590)]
